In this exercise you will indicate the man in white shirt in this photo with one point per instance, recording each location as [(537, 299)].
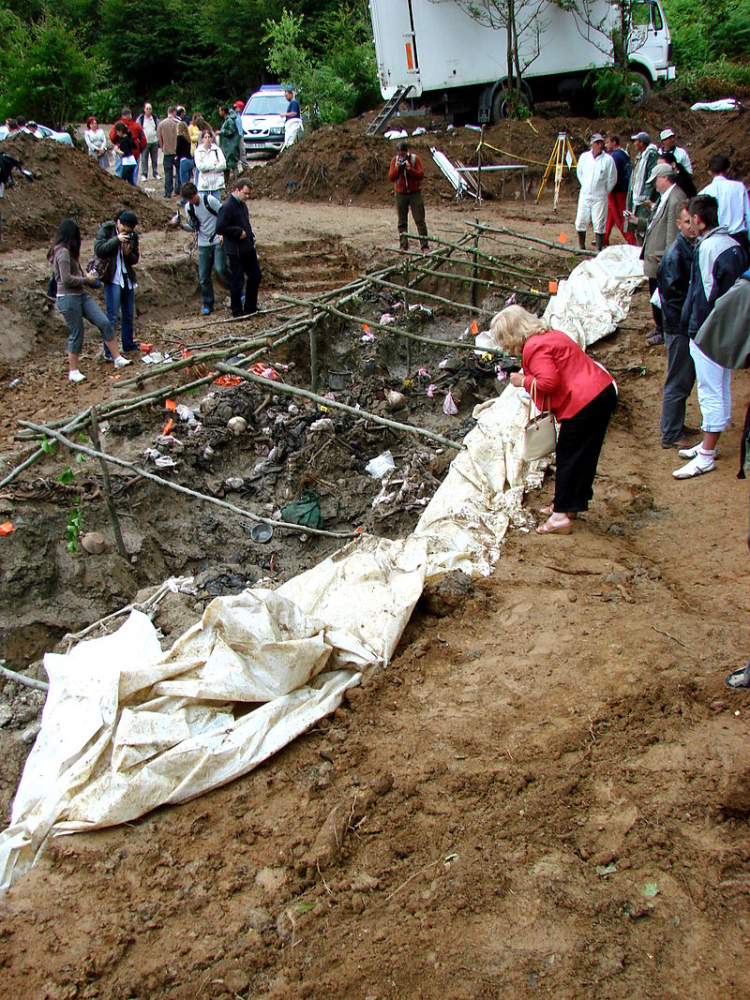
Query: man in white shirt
[(149, 122), (597, 175), (669, 145), (733, 199)]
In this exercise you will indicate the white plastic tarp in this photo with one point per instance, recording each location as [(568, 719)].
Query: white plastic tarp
[(127, 728), (595, 298)]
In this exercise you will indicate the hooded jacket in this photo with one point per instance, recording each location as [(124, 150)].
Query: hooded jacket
[(717, 263)]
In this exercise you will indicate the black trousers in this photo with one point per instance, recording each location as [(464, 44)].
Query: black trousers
[(578, 448), (241, 266)]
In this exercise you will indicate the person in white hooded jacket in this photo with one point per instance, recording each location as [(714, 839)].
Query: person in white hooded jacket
[(211, 164), (597, 175)]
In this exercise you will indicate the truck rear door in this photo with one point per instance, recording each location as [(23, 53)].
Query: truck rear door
[(395, 45)]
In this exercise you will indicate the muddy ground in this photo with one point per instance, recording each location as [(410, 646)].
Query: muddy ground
[(548, 790)]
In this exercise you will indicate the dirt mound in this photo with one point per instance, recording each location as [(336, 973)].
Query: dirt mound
[(343, 165), (67, 183)]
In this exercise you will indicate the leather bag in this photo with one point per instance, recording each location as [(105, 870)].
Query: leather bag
[(540, 435)]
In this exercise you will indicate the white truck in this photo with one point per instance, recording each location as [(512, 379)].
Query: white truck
[(457, 63)]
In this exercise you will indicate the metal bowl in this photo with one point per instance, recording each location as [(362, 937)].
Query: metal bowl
[(261, 533)]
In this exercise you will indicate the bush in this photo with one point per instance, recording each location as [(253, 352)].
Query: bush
[(715, 80)]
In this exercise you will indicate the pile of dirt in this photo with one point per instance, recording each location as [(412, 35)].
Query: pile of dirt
[(343, 165), (67, 184)]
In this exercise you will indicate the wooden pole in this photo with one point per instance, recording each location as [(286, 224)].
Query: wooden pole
[(313, 352), (334, 404), (303, 529), (405, 333), (428, 295), (531, 239), (94, 434)]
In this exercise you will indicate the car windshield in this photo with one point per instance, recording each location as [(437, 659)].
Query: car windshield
[(266, 104)]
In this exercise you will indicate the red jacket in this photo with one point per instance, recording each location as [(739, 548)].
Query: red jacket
[(139, 136), (564, 373), (406, 178)]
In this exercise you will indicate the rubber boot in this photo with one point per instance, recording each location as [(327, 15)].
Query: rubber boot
[(581, 240), (599, 242)]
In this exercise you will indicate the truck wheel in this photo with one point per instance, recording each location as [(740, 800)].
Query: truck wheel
[(500, 103), (640, 88)]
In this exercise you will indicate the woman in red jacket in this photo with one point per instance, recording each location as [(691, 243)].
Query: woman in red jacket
[(581, 394)]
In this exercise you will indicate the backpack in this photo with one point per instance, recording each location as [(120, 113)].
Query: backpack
[(194, 218), (104, 267)]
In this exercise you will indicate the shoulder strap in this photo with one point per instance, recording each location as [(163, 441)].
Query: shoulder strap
[(208, 207)]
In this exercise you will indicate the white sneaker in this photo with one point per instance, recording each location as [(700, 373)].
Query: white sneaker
[(693, 452), (122, 362), (76, 376), (696, 467)]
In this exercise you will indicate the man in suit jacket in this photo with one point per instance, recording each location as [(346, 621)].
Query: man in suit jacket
[(661, 233)]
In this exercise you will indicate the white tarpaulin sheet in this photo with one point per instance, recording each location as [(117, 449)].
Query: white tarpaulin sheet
[(595, 299), (127, 728)]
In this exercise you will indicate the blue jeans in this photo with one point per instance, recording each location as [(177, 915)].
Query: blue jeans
[(186, 168), (129, 173), (121, 300), (76, 308), (211, 259)]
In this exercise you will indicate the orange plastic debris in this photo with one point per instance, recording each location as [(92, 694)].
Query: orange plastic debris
[(562, 238), (168, 426), (185, 353), (6, 528), (365, 327), (169, 404), (146, 348), (474, 328), (553, 287), (228, 381)]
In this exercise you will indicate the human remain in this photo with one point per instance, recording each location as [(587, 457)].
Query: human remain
[(597, 175), (117, 243), (581, 395), (202, 211), (293, 116), (73, 299), (233, 224), (718, 262), (406, 174)]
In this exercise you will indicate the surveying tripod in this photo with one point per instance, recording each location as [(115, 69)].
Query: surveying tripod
[(562, 155)]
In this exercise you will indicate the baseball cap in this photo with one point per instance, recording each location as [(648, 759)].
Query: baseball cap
[(666, 134), (596, 137), (642, 137), (129, 219), (661, 170), (239, 104)]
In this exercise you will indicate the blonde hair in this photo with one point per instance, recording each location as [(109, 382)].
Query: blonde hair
[(511, 327)]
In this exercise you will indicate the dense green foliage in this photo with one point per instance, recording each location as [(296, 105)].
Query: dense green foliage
[(711, 46), (60, 62)]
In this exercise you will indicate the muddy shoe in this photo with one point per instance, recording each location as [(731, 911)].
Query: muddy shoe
[(76, 376), (740, 679), (655, 338)]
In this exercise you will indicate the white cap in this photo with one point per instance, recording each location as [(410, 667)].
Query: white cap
[(666, 134)]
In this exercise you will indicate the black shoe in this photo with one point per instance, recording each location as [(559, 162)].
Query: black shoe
[(655, 338)]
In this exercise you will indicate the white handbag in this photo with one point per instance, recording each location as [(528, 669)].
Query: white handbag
[(540, 435)]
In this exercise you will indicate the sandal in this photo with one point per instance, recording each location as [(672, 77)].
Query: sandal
[(549, 511), (554, 529)]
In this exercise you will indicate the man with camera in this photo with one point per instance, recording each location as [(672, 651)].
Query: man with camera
[(116, 245), (406, 174)]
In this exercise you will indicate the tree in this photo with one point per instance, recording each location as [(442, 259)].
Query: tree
[(44, 73)]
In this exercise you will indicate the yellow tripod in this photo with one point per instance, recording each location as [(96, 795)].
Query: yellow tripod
[(562, 155)]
